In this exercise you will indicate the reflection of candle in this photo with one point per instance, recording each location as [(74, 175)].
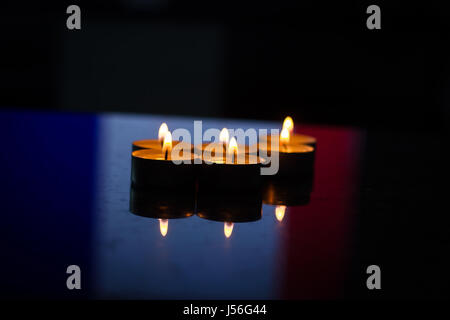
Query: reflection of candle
[(279, 212), (160, 203), (164, 167), (157, 143), (229, 205), (228, 229), (163, 226), (288, 192)]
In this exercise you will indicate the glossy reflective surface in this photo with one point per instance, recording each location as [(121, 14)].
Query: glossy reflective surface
[(66, 201)]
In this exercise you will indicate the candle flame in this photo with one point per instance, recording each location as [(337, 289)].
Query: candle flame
[(284, 136), (163, 226), (279, 212), (167, 144), (224, 136), (232, 146), (228, 229), (163, 129), (288, 123), (232, 150)]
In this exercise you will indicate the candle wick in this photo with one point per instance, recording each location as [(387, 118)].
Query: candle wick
[(166, 154)]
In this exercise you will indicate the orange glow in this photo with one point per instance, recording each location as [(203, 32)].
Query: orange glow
[(228, 229), (279, 212), (284, 136), (288, 123), (163, 226), (167, 144), (224, 136), (163, 129)]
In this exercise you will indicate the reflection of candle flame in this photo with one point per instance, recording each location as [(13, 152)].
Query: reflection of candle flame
[(163, 226), (228, 229), (288, 123), (279, 212), (163, 129), (284, 137), (224, 136), (233, 149), (167, 145)]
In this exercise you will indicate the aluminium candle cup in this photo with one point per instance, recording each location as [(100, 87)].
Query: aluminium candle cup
[(294, 139), (288, 192), (156, 144), (295, 161), (161, 204), (229, 207), (150, 169), (216, 175)]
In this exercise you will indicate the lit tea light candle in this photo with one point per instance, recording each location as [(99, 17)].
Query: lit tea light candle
[(219, 149), (157, 143), (294, 159), (159, 203), (162, 167), (295, 138), (229, 187), (233, 170)]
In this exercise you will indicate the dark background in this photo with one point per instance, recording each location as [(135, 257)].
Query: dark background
[(312, 59)]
